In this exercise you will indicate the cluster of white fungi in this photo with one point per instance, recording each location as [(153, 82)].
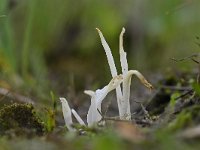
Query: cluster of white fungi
[(122, 92)]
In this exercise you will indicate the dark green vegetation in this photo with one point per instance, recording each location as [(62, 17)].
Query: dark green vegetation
[(51, 46), (20, 119)]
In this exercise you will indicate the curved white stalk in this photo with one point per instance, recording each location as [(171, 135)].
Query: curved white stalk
[(140, 77), (126, 93), (67, 113), (78, 118), (113, 69)]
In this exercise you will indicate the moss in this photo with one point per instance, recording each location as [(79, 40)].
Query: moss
[(20, 119), (188, 117)]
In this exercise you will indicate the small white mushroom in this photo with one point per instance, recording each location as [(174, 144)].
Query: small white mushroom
[(97, 97), (67, 113)]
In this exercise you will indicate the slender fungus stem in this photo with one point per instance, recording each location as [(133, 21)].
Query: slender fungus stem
[(126, 92), (78, 118), (113, 69)]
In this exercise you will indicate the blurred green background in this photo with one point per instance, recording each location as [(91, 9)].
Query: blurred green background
[(52, 44)]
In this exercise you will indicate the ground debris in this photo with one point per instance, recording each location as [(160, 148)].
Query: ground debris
[(190, 133)]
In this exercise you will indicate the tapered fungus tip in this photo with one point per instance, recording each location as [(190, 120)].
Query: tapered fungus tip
[(62, 99), (98, 29), (149, 86), (89, 92), (123, 30)]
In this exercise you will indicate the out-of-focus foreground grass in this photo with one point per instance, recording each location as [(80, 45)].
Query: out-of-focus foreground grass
[(38, 38)]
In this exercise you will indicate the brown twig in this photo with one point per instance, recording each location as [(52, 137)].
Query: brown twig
[(186, 58), (187, 88), (185, 94)]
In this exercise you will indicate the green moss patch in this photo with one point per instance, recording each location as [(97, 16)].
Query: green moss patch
[(187, 118), (20, 119)]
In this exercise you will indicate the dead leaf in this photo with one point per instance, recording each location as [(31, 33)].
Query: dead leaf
[(191, 133), (129, 131)]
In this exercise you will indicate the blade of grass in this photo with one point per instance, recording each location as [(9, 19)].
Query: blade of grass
[(26, 42), (6, 43)]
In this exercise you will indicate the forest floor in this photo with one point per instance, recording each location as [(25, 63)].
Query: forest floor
[(170, 119)]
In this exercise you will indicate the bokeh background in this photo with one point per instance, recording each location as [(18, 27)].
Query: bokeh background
[(53, 45)]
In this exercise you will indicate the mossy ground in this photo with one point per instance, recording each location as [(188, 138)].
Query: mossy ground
[(160, 126), (20, 119)]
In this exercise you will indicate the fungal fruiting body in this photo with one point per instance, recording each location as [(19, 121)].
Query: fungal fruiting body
[(122, 94), (94, 111)]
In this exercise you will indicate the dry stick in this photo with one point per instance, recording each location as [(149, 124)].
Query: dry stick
[(178, 7), (191, 91), (146, 113), (20, 98), (188, 90), (107, 118), (107, 107), (99, 112), (194, 60), (116, 119), (175, 88), (186, 58), (185, 94)]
